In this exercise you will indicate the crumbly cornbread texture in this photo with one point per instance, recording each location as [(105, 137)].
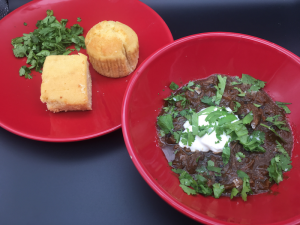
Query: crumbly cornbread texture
[(113, 48), (66, 83)]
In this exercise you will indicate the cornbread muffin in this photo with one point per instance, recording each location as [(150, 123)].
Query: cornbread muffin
[(66, 83), (113, 48)]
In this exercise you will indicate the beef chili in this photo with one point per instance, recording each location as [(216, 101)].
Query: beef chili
[(245, 140)]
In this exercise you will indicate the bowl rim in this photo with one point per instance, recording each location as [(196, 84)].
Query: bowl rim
[(128, 140)]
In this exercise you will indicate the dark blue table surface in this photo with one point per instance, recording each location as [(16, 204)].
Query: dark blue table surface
[(94, 181)]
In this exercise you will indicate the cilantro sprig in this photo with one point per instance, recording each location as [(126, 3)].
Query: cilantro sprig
[(279, 163), (246, 184), (220, 89), (191, 185), (50, 38), (256, 85), (283, 105), (280, 124)]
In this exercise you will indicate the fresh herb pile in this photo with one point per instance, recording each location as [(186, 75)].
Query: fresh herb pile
[(50, 38), (222, 121)]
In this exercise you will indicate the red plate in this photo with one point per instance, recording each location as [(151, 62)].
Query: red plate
[(24, 114)]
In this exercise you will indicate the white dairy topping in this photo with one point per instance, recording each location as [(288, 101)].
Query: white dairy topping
[(208, 141)]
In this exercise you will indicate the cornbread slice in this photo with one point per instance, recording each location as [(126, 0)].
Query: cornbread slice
[(113, 48), (66, 83)]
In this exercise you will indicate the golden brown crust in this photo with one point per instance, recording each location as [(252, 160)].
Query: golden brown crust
[(113, 49), (66, 83)]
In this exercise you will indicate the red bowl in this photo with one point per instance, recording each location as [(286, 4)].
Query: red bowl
[(195, 57)]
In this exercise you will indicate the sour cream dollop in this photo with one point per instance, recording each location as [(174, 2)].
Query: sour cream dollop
[(208, 141)]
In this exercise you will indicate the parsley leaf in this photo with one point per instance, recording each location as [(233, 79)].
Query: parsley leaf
[(187, 190), (239, 81), (211, 167), (173, 86), (255, 84), (165, 122), (207, 100), (239, 155), (246, 184), (78, 19), (241, 94), (248, 118), (199, 184), (253, 141), (218, 190), (202, 169), (256, 105), (177, 136), (273, 130), (24, 71), (277, 123), (281, 149), (188, 86), (234, 192), (226, 154), (177, 98), (279, 163), (25, 24), (50, 38), (236, 107), (220, 89), (283, 105)]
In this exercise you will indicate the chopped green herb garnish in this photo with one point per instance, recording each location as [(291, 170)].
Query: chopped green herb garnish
[(202, 169), (177, 136), (187, 190), (254, 141), (239, 81), (220, 89), (171, 110), (256, 105), (165, 122), (226, 154), (277, 123), (162, 133), (188, 86), (255, 84), (248, 118), (78, 19), (25, 24), (25, 71), (234, 192), (279, 163), (211, 167), (283, 105), (177, 98), (170, 163), (273, 130), (236, 107), (207, 100), (50, 38), (239, 156), (246, 184), (241, 94), (173, 86), (199, 184), (218, 190), (281, 149)]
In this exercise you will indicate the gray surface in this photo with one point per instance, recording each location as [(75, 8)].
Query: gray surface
[(3, 8)]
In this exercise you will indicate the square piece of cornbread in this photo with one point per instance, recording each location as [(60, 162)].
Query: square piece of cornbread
[(66, 83)]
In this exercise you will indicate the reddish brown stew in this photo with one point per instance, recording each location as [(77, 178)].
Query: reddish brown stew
[(254, 164)]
